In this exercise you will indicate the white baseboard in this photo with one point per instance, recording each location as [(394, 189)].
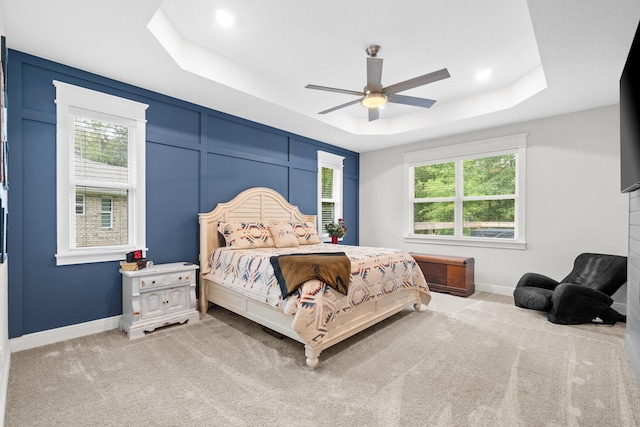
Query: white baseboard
[(5, 363), (494, 289), (620, 307), (51, 336)]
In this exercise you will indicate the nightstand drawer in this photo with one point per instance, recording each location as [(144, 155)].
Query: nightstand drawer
[(158, 280), (182, 277), (154, 281)]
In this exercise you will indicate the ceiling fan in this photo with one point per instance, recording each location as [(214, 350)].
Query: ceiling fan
[(375, 95)]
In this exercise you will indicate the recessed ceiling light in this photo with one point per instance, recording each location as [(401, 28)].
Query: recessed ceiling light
[(224, 18), (484, 74)]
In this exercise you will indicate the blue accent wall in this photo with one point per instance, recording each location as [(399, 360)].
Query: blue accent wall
[(196, 158)]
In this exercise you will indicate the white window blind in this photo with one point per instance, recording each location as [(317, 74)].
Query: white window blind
[(102, 172), (328, 197)]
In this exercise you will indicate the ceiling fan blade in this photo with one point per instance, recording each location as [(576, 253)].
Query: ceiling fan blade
[(333, 89), (374, 74), (417, 81), (411, 100), (340, 106), (374, 114)]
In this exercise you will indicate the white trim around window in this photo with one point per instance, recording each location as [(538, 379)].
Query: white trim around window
[(335, 162), (513, 144), (73, 100)]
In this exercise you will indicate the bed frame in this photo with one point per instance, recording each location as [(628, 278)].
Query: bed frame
[(264, 204)]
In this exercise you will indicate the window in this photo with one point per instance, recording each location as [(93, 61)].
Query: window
[(329, 190), (79, 204), (470, 194), (106, 214), (100, 175)]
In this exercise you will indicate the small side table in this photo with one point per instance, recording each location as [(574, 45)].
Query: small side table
[(158, 296)]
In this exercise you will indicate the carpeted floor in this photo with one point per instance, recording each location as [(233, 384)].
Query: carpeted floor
[(475, 361)]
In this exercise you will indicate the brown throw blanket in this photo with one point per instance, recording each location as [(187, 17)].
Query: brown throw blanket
[(333, 268)]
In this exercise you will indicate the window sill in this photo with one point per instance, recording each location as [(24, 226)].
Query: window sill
[(471, 242), (92, 255)]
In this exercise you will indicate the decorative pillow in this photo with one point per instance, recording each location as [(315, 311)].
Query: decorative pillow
[(246, 235), (306, 233), (283, 235), (221, 226)]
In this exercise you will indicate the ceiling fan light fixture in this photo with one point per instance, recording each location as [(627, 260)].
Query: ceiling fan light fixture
[(374, 100), (374, 95)]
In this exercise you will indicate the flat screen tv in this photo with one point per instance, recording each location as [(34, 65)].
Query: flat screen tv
[(630, 120)]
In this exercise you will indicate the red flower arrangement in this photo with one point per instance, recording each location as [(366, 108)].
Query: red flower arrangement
[(337, 230)]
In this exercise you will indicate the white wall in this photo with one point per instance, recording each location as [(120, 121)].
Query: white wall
[(573, 200), (5, 354), (632, 336)]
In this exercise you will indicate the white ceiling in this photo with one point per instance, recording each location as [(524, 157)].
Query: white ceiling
[(547, 57)]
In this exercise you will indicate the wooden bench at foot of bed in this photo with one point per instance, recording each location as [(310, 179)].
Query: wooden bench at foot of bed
[(451, 274)]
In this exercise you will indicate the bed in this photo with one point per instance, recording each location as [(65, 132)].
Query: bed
[(328, 315)]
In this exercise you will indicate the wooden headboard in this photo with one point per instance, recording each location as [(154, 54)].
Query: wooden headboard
[(255, 204)]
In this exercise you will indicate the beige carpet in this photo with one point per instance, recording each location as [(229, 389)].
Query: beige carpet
[(478, 361)]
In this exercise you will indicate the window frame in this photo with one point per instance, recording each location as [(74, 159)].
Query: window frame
[(74, 100), (513, 144), (335, 162)]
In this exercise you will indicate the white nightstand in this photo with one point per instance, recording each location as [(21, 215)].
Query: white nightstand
[(158, 296)]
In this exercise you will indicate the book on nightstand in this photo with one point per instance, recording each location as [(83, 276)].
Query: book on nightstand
[(132, 266)]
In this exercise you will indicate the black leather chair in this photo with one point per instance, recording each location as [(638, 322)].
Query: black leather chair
[(581, 297)]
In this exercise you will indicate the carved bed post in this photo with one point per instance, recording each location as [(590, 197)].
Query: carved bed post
[(204, 304), (312, 354)]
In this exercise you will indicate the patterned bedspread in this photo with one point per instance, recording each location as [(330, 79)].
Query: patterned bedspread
[(375, 272)]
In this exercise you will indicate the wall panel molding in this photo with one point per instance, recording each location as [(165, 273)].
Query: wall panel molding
[(196, 158)]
